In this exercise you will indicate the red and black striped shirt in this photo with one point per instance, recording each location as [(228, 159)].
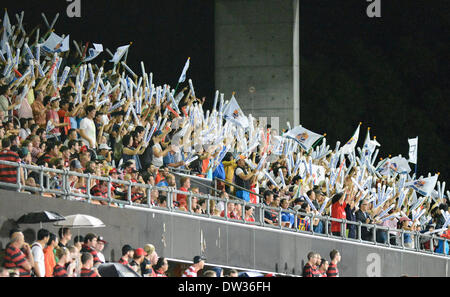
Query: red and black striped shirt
[(96, 191), (15, 258), (8, 173), (310, 271), (332, 270), (88, 249), (59, 271), (122, 261), (88, 273)]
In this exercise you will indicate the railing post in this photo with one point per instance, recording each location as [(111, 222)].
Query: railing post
[(359, 231), (41, 179), (129, 193), (109, 191), (208, 208), (19, 182), (374, 234), (149, 196)]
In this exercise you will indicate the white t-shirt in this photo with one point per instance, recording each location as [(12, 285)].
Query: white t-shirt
[(38, 255), (158, 162), (88, 126)]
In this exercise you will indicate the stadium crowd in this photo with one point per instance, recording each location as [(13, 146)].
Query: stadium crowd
[(62, 114)]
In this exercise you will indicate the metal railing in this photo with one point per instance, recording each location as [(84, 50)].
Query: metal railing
[(61, 188)]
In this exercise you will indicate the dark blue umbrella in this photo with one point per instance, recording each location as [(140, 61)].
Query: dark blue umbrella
[(40, 217), (116, 270)]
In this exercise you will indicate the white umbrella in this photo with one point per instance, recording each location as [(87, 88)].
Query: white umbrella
[(80, 221)]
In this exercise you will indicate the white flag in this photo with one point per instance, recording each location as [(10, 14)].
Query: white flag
[(7, 24), (120, 52), (423, 186), (234, 114), (94, 52), (413, 143), (369, 145), (185, 69), (305, 138), (350, 145), (56, 44)]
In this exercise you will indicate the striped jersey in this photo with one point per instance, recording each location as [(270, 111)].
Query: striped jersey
[(88, 249), (8, 173), (87, 273), (332, 270), (59, 271), (15, 258)]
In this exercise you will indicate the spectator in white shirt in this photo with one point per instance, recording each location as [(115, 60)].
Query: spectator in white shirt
[(37, 250), (87, 128)]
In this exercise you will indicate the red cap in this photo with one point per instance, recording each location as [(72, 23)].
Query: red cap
[(140, 252), (83, 149), (114, 170)]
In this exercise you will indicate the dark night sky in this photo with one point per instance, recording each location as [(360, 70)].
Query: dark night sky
[(390, 73)]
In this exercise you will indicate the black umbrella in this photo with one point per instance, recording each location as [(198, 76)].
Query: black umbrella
[(116, 270), (40, 217)]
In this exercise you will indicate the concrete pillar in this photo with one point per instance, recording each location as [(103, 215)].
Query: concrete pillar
[(257, 56)]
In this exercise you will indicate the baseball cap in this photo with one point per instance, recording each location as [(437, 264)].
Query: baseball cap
[(83, 149), (140, 252), (149, 248), (197, 259), (114, 170), (100, 238)]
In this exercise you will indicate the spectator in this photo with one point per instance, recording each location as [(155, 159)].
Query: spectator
[(87, 128), (150, 259), (270, 216), (49, 255), (65, 235), (230, 211), (218, 271), (78, 242), (310, 268), (248, 217), (127, 255), (181, 198), (161, 267), (39, 110), (363, 217), (64, 260), (158, 152), (15, 258), (89, 246), (338, 204), (101, 242), (350, 215), (209, 273), (8, 173), (138, 258), (87, 266), (243, 179), (198, 264), (287, 218), (233, 273), (37, 249), (323, 268), (332, 270)]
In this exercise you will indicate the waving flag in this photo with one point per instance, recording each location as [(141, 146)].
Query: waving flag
[(234, 114), (395, 165), (305, 138), (7, 25), (349, 147), (369, 145), (423, 186), (413, 145), (185, 69), (56, 44), (94, 52), (120, 52)]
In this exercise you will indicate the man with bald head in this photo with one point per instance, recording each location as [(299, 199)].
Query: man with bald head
[(15, 258)]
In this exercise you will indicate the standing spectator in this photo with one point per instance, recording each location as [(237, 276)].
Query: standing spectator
[(89, 245), (99, 248), (338, 205), (87, 266), (15, 258), (363, 216), (332, 270), (323, 268), (138, 258), (181, 198), (87, 128), (37, 248), (39, 110), (8, 173), (78, 242), (53, 117), (65, 235), (157, 151), (310, 268), (150, 259), (161, 267), (49, 255), (127, 255), (350, 215), (198, 264), (242, 179), (6, 104)]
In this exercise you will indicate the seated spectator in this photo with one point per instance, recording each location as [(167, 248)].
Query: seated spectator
[(248, 216), (181, 198)]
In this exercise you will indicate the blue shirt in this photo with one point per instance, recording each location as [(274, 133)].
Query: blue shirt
[(219, 172), (287, 217)]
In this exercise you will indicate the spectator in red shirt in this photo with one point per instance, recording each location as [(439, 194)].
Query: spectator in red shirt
[(8, 174), (87, 266), (338, 204), (332, 270), (15, 258), (198, 264), (182, 199), (248, 216), (230, 211)]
